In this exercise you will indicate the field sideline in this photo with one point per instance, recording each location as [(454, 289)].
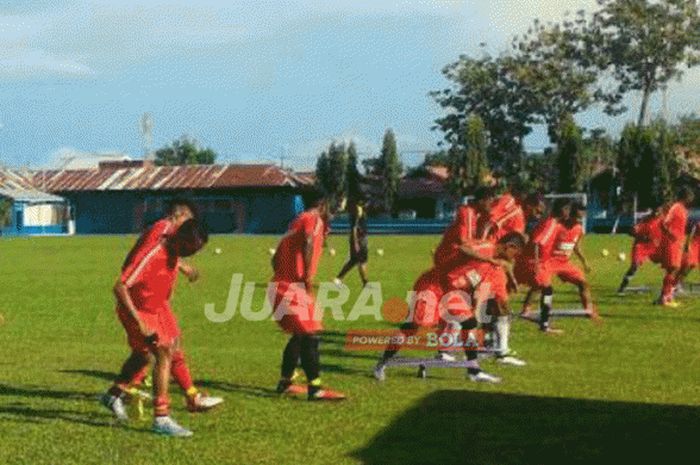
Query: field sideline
[(624, 391)]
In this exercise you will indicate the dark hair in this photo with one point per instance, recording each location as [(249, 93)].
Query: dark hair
[(483, 193), (577, 206), (685, 192), (313, 199), (176, 202), (534, 198), (559, 206), (513, 238), (191, 236)]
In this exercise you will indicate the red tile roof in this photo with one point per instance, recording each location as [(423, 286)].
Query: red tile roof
[(116, 177)]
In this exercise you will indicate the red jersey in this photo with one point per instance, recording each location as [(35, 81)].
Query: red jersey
[(513, 221), (676, 221), (566, 241), (462, 229), (648, 230), (289, 259), (158, 231), (488, 280), (150, 279), (545, 237)]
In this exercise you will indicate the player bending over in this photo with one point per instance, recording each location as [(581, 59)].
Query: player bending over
[(143, 294), (673, 240), (647, 237), (440, 292), (295, 263), (179, 211)]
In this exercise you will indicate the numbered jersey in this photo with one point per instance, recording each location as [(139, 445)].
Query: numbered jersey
[(566, 241)]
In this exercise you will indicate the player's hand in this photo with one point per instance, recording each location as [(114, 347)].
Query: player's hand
[(149, 335), (193, 275), (587, 268)]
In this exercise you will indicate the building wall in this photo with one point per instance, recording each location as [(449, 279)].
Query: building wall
[(121, 212), (34, 219)]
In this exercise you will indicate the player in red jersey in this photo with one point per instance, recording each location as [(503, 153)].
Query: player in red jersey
[(672, 243), (647, 238), (295, 263), (143, 294), (531, 269), (463, 230), (446, 294), (179, 211), (568, 243), (506, 216), (691, 258)]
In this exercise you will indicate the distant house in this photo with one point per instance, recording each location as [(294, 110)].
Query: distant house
[(125, 196), (426, 194), (28, 211)]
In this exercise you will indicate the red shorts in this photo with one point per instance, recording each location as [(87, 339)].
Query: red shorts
[(564, 270), (426, 304), (671, 254), (163, 323), (643, 251), (692, 258), (294, 308), (527, 273)]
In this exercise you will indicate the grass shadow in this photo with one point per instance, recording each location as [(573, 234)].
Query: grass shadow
[(483, 428)]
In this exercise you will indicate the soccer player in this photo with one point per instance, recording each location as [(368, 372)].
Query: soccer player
[(673, 228), (568, 243), (179, 210), (647, 238), (143, 293), (691, 258), (506, 216), (435, 290), (464, 229), (358, 244), (295, 263), (531, 270)]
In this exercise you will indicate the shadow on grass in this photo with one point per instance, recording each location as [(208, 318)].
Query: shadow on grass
[(99, 374), (483, 428), (226, 386)]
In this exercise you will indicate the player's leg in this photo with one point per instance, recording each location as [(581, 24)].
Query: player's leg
[(349, 265), (474, 371), (669, 283), (311, 364), (406, 329), (501, 328), (362, 269), (631, 271), (197, 401), (162, 421), (290, 360), (527, 303), (113, 398)]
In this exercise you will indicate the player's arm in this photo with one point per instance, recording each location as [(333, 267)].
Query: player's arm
[(308, 257), (471, 253), (188, 270), (582, 258), (121, 292), (354, 234)]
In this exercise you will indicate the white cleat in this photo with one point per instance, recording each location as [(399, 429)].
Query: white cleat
[(378, 372), (445, 357), (202, 402), (166, 426), (483, 377), (337, 282), (510, 360), (115, 405)]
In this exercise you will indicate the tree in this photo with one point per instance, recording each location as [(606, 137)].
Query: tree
[(643, 44), (353, 176), (570, 156), (484, 87), (389, 171), (5, 212), (184, 151), (331, 173), (467, 162)]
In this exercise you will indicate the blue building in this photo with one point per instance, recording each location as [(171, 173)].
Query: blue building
[(126, 196), (26, 211)]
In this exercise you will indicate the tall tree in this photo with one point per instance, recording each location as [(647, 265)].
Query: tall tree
[(185, 151), (644, 44), (353, 176), (570, 156), (389, 171), (467, 162), (5, 212), (331, 173)]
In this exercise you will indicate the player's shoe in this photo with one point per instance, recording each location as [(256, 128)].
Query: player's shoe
[(166, 426), (378, 371), (483, 377), (510, 358), (326, 394), (115, 404), (337, 282), (671, 304), (550, 330), (593, 314), (445, 357), (201, 402)]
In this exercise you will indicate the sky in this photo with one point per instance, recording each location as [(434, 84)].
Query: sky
[(254, 80)]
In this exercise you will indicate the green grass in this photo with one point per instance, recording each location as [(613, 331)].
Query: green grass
[(627, 390)]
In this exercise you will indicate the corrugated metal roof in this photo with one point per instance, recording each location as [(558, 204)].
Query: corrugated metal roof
[(30, 196), (150, 177), (19, 186)]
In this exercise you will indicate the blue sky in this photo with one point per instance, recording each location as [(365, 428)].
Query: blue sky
[(251, 79)]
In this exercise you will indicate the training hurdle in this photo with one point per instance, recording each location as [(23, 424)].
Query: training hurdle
[(566, 313), (424, 363)]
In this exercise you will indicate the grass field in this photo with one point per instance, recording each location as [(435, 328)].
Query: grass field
[(624, 392)]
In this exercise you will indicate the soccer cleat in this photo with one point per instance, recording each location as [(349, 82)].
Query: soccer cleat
[(326, 394), (510, 360), (671, 304), (166, 426), (115, 404), (201, 402), (483, 377), (337, 282), (378, 371), (445, 357), (550, 330)]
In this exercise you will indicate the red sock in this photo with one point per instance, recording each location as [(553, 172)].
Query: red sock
[(161, 406), (138, 378), (669, 284), (181, 372)]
